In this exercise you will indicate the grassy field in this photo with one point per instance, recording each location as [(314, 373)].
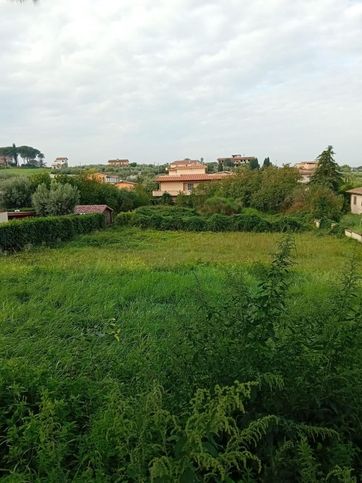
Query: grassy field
[(98, 317), (11, 172), (148, 277)]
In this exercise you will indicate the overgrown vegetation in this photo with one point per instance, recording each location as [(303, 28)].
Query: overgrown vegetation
[(125, 369), (17, 193), (182, 218)]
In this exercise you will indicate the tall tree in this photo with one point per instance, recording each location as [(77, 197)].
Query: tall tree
[(327, 172), (13, 151), (254, 163), (266, 163)]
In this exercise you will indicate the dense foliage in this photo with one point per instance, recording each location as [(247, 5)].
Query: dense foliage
[(56, 199), (268, 189), (94, 193), (30, 156), (37, 231), (182, 218), (16, 193), (248, 380)]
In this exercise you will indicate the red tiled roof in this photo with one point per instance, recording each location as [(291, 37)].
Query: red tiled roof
[(83, 209), (356, 191), (192, 177)]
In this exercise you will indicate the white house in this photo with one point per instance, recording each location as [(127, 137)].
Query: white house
[(60, 163)]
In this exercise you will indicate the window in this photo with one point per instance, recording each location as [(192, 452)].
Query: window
[(355, 200), (190, 186)]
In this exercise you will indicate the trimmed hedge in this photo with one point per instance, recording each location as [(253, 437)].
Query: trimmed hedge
[(36, 231), (190, 221)]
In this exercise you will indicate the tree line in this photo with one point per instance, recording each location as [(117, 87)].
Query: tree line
[(29, 155)]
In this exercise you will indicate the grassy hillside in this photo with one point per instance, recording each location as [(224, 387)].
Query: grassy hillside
[(11, 172), (96, 341)]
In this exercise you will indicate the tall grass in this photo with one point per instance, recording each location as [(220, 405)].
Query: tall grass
[(145, 356)]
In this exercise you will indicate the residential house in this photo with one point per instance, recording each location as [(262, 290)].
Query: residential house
[(356, 200), (126, 185), (104, 210), (60, 163), (306, 170), (235, 160), (104, 178), (118, 163), (186, 166), (183, 177)]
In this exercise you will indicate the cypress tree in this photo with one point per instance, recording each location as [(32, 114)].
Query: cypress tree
[(327, 172)]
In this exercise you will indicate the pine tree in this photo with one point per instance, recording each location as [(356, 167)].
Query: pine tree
[(327, 172), (254, 163), (266, 162)]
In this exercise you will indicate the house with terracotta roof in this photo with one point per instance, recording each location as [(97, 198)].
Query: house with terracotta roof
[(183, 177), (104, 210), (306, 169), (186, 166), (356, 200)]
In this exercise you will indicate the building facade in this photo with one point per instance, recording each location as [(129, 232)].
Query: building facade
[(306, 169), (60, 163), (235, 160), (356, 200), (183, 177), (118, 163)]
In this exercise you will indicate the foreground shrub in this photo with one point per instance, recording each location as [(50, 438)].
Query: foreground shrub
[(36, 231), (218, 204)]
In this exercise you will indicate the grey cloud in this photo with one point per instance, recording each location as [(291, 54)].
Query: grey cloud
[(155, 80)]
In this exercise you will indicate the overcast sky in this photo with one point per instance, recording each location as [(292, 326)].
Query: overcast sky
[(158, 80)]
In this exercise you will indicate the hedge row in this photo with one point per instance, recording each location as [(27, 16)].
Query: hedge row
[(36, 231), (216, 222)]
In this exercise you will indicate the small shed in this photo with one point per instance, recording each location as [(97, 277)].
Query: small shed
[(104, 210), (356, 200)]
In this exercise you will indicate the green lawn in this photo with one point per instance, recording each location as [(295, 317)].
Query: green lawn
[(11, 172), (87, 326)]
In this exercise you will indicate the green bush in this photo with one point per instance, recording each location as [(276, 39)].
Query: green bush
[(219, 222), (15, 235), (180, 218)]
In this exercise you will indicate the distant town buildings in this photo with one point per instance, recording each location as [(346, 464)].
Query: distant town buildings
[(306, 170), (235, 160), (60, 163), (112, 179), (118, 163), (183, 177)]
